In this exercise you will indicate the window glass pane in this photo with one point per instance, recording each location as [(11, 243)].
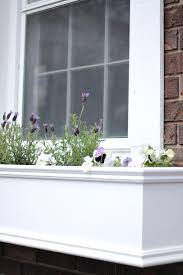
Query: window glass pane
[(88, 31), (88, 80), (119, 29), (82, 46), (49, 94), (32, 1), (117, 113)]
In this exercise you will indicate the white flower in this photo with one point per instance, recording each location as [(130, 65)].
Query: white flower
[(45, 159), (170, 154), (87, 164), (108, 162)]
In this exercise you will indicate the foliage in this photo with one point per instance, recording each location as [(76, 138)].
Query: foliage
[(156, 158), (17, 146), (75, 144)]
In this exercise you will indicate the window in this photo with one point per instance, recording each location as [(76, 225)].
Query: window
[(77, 47), (131, 67)]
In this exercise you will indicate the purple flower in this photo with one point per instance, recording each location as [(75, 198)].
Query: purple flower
[(35, 128), (3, 124), (4, 116), (126, 161), (15, 116), (34, 118), (9, 114), (76, 131), (45, 126), (99, 127), (52, 128), (100, 155), (84, 96)]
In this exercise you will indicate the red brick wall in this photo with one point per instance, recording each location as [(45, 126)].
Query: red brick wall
[(17, 260), (174, 77)]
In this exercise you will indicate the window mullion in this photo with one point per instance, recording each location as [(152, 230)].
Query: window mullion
[(68, 107), (106, 54)]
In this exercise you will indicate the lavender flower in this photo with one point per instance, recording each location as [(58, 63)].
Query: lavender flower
[(45, 126), (3, 124), (35, 128), (126, 161), (100, 155), (9, 114), (99, 127), (84, 96), (52, 128), (76, 131), (4, 116), (34, 118), (15, 116)]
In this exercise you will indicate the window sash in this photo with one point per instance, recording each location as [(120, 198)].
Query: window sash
[(146, 71)]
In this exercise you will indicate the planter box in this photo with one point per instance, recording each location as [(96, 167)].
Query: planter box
[(124, 215)]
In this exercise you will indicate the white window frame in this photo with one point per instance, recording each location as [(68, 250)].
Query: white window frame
[(146, 71)]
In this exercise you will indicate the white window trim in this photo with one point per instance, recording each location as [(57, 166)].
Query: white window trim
[(146, 71)]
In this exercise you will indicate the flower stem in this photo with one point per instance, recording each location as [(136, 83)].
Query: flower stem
[(82, 110)]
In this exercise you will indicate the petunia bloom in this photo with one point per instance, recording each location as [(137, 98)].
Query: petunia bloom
[(126, 161), (100, 155)]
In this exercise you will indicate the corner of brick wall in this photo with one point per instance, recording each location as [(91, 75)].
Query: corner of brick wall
[(173, 132)]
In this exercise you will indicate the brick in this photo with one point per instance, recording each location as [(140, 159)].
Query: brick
[(170, 134), (8, 267), (86, 265), (19, 252), (56, 259), (181, 38), (180, 134), (167, 2), (105, 268), (39, 270), (178, 156), (171, 40), (171, 87), (174, 17), (174, 111), (173, 63)]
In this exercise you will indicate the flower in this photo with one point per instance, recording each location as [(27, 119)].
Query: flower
[(9, 114), (45, 159), (126, 161), (45, 126), (34, 118), (76, 131), (99, 127), (35, 128), (87, 164), (99, 155), (52, 127), (4, 116), (15, 116), (3, 124), (84, 96), (170, 154)]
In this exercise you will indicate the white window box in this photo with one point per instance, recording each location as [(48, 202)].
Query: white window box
[(124, 215)]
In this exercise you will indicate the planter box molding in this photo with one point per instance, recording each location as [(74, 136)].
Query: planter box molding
[(130, 216)]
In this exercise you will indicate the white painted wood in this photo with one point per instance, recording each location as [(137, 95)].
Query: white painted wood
[(125, 215), (146, 73)]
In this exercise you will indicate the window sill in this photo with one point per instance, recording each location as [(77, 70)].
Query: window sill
[(126, 215)]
